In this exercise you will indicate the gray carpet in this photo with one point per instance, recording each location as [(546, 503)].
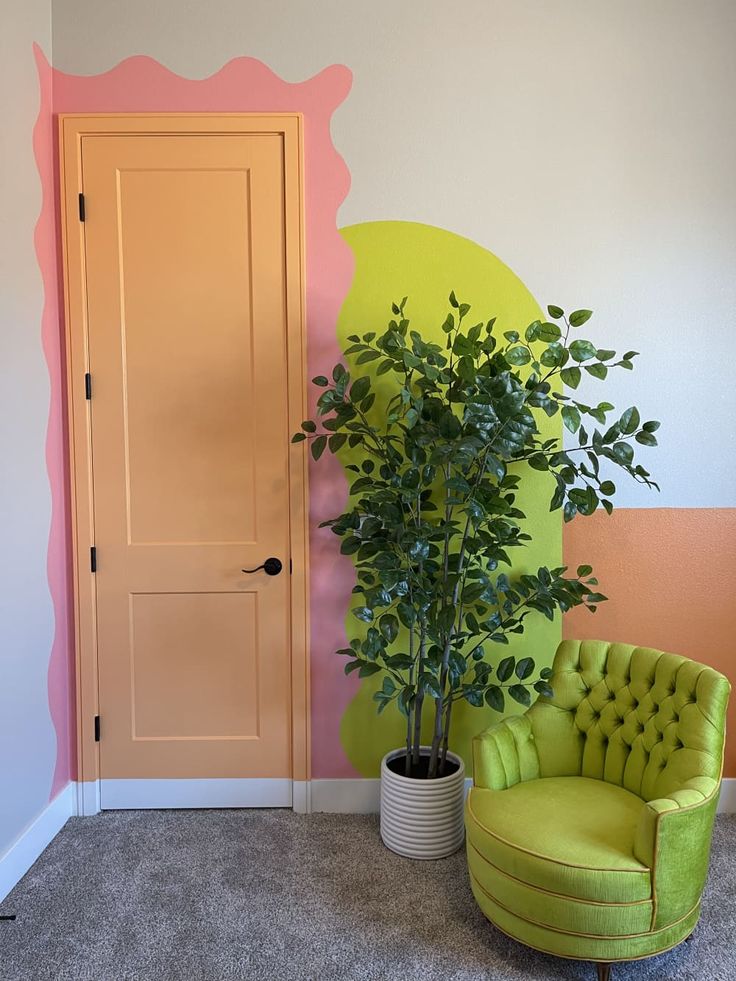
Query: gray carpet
[(251, 895)]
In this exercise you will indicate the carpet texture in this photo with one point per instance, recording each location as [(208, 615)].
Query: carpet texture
[(250, 895)]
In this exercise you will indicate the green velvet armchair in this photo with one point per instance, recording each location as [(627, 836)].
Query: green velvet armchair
[(590, 818)]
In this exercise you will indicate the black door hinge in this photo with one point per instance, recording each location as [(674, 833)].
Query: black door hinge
[(81, 207), (93, 559), (88, 386), (97, 728), (291, 567)]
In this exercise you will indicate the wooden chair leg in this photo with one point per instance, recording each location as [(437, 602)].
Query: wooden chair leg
[(604, 972)]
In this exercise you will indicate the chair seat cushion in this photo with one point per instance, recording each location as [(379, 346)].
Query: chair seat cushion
[(570, 836)]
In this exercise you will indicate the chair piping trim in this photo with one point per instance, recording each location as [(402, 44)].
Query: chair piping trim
[(559, 895), (585, 936), (574, 957)]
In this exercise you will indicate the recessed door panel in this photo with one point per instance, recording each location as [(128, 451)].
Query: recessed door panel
[(188, 354), (201, 649)]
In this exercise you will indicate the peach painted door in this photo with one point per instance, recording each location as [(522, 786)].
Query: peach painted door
[(184, 248)]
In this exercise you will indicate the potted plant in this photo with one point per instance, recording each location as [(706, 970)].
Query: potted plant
[(442, 438)]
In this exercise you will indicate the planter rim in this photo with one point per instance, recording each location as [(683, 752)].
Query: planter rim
[(417, 781)]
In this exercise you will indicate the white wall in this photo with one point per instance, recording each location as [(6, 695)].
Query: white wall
[(26, 617), (591, 144)]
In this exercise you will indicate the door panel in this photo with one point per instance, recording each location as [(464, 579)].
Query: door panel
[(186, 305)]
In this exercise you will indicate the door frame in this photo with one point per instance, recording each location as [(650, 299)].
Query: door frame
[(72, 128)]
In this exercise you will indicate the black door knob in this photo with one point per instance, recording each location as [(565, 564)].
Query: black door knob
[(272, 567)]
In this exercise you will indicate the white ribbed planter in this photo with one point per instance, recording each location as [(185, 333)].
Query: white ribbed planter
[(422, 818)]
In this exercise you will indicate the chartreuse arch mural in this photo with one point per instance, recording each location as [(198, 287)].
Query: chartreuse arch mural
[(394, 259)]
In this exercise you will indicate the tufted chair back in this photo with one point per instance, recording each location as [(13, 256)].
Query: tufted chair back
[(639, 718)]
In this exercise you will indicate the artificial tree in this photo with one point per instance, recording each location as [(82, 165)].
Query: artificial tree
[(432, 518)]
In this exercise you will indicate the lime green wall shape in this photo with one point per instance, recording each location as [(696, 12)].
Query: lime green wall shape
[(394, 259)]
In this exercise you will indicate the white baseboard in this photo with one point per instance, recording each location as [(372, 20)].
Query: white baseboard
[(351, 795), (134, 794), (24, 851), (727, 800), (301, 797), (88, 797), (340, 796)]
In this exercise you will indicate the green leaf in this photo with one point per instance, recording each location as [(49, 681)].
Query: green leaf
[(584, 570), (571, 376), (651, 427), (321, 381), (505, 668), (453, 300), (407, 614), (367, 356), (580, 317), (309, 427), (544, 688), (571, 418), (548, 332), (597, 370), (495, 698), (645, 438), (604, 354), (555, 312), (318, 446), (360, 388), (582, 351), (520, 694), (629, 421), (623, 453), (364, 613), (518, 355), (298, 438), (389, 627), (524, 668)]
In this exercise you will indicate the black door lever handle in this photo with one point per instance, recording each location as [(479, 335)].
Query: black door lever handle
[(272, 567)]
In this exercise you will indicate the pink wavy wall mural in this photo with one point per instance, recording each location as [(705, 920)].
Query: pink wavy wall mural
[(140, 84)]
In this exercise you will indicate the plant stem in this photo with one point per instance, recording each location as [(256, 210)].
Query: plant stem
[(407, 761), (445, 738), (418, 705), (436, 738)]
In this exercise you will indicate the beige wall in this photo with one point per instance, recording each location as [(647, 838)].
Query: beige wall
[(26, 616), (590, 144)]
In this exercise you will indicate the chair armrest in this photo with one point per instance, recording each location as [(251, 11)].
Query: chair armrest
[(673, 838), (505, 754)]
